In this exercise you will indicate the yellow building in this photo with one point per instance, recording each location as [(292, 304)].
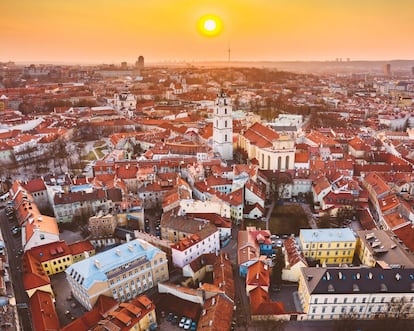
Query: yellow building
[(57, 256), (328, 246)]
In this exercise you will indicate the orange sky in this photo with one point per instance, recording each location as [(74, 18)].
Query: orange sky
[(111, 31)]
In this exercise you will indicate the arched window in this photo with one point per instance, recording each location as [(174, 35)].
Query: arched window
[(279, 163), (262, 160), (225, 124), (287, 161), (225, 111), (225, 137), (268, 162)]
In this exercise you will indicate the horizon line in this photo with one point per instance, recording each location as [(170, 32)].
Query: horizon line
[(183, 61)]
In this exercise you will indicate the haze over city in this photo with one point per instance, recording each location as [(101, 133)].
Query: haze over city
[(164, 30)]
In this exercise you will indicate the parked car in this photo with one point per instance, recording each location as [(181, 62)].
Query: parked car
[(170, 317), (193, 326), (187, 324), (15, 230), (174, 320), (182, 322)]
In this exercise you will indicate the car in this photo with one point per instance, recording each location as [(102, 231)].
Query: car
[(174, 320), (187, 324), (170, 317), (15, 230), (182, 321), (193, 326)]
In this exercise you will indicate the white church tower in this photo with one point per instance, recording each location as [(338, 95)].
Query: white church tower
[(223, 127)]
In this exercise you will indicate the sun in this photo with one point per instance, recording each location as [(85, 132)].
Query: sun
[(210, 25)]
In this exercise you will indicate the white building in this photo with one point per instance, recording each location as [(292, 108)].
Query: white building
[(207, 240), (223, 127), (357, 293), (125, 103), (218, 207), (272, 150)]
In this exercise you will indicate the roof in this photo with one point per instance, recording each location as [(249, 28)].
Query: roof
[(385, 248), (258, 274), (361, 280), (406, 235), (80, 247), (260, 135), (33, 274), (223, 275), (294, 255), (96, 268), (35, 185), (49, 251), (79, 196), (85, 322), (376, 183), (327, 235), (260, 303), (217, 314), (43, 312)]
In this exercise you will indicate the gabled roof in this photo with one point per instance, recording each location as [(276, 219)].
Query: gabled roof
[(260, 303), (258, 274), (217, 314), (42, 308), (49, 251), (80, 247), (260, 135)]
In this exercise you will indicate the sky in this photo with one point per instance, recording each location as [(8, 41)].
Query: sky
[(111, 31)]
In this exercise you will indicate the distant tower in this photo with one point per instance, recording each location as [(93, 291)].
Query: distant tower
[(223, 127), (140, 62), (387, 69)]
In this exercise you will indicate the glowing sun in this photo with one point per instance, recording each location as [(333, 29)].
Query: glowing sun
[(210, 25)]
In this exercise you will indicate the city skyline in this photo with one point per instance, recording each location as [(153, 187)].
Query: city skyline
[(164, 30)]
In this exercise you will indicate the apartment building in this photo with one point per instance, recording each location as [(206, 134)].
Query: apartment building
[(358, 293), (122, 273), (207, 240)]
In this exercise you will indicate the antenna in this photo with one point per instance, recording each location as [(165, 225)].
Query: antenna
[(228, 52)]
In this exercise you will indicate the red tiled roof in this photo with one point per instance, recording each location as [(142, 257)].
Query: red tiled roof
[(42, 308), (258, 274), (80, 247), (34, 185), (406, 235), (261, 135), (260, 303)]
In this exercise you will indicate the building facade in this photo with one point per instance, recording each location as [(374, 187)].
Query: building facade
[(356, 293), (328, 246), (123, 273)]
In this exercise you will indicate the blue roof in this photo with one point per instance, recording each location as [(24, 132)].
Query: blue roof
[(84, 187), (111, 259), (327, 235)]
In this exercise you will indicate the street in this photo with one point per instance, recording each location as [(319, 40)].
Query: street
[(13, 244)]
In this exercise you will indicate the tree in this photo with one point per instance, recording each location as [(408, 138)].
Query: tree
[(280, 182), (279, 264)]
